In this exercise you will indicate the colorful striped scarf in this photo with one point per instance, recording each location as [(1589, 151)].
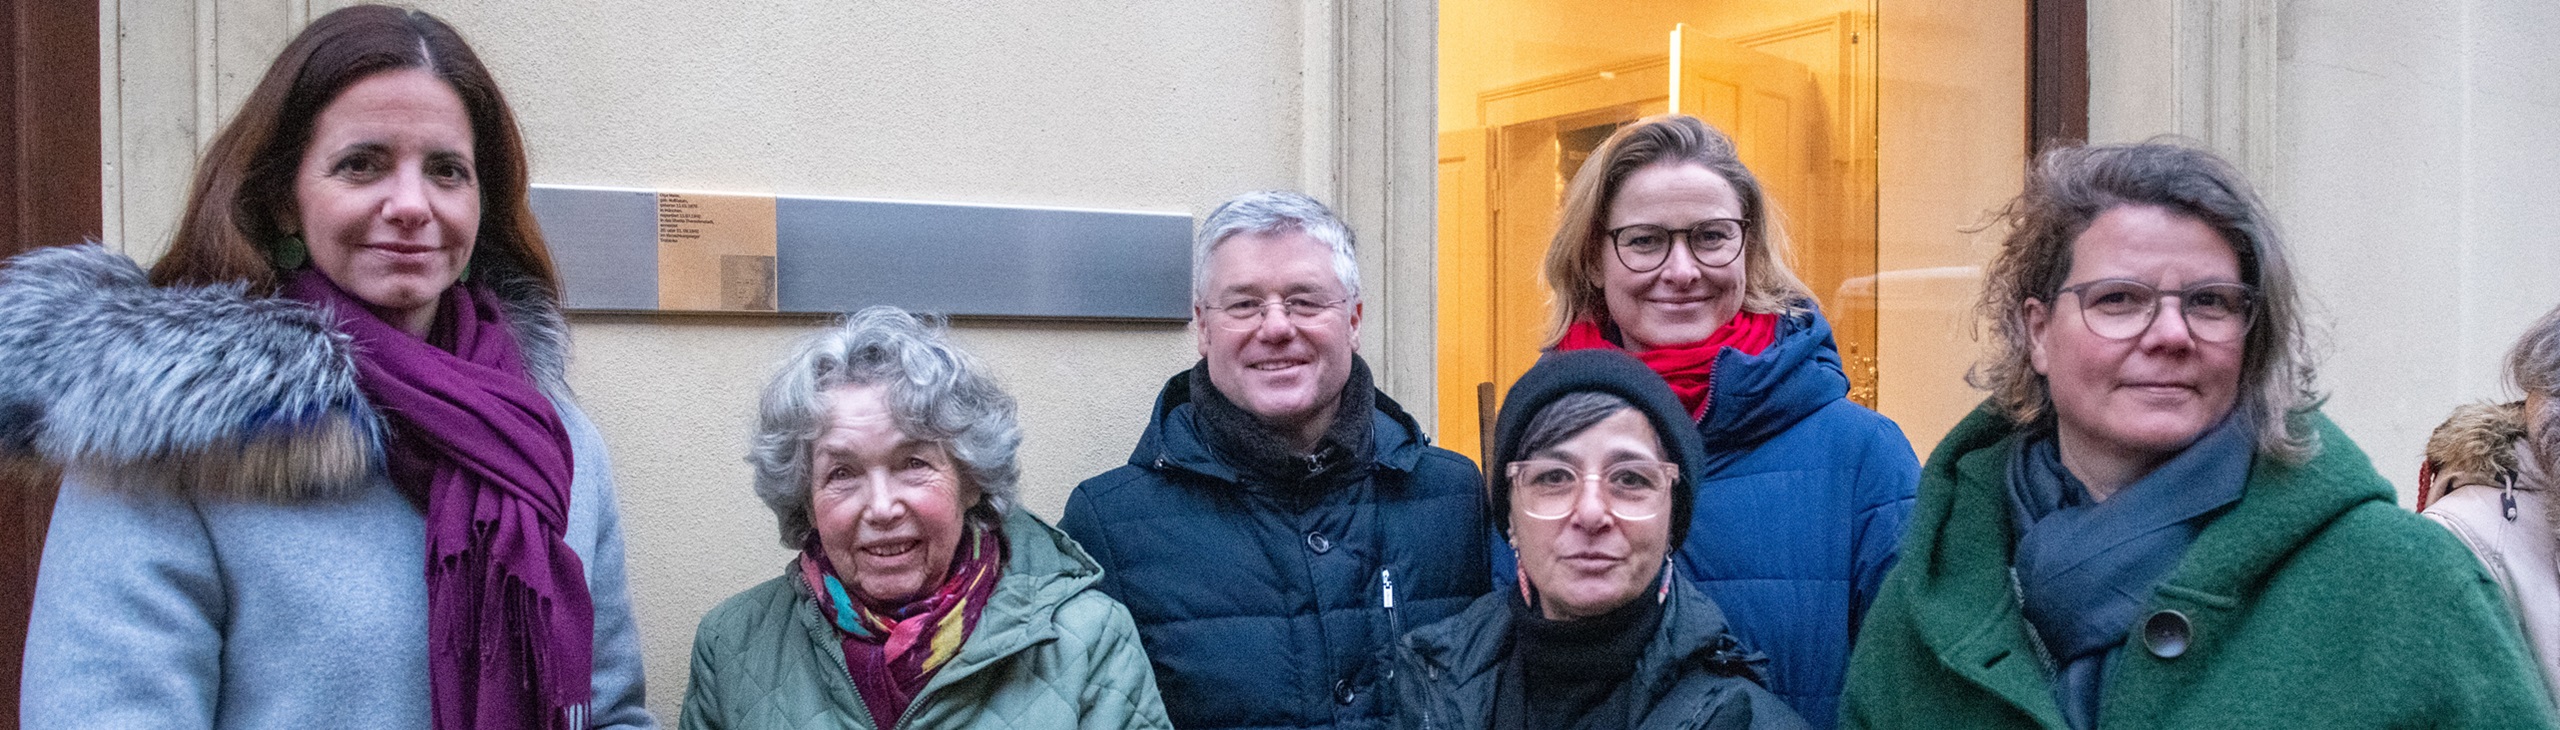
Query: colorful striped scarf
[(891, 653)]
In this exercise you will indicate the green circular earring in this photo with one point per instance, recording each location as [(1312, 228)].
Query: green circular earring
[(290, 253)]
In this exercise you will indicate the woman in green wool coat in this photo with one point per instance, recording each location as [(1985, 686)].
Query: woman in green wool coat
[(2149, 524)]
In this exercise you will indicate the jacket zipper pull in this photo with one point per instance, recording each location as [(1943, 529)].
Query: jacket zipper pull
[(2507, 497), (1387, 599)]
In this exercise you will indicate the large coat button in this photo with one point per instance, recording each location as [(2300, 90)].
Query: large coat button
[(1316, 541), (1343, 693), (2166, 633)]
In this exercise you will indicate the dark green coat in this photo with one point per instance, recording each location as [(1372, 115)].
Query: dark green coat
[(1693, 673), (2316, 602), (1049, 652)]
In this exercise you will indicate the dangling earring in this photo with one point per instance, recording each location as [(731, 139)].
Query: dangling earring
[(290, 253), (1664, 593)]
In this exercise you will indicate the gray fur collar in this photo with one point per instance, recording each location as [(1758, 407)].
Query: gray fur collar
[(201, 390)]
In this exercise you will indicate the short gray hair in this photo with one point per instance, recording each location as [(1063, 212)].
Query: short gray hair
[(2066, 191), (1268, 212), (935, 392), (2533, 367), (1564, 419)]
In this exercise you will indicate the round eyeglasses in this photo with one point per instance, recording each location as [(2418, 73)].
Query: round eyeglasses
[(1644, 247), (1244, 314), (2122, 309), (1634, 490)]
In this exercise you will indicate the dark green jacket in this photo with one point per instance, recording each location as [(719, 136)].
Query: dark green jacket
[(1049, 652), (2315, 602), (1693, 672)]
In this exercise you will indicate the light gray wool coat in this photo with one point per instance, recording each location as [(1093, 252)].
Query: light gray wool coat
[(226, 551)]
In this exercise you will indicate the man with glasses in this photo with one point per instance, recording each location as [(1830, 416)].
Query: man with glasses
[(1281, 520)]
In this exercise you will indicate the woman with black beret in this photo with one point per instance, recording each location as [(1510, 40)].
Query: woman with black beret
[(1592, 490)]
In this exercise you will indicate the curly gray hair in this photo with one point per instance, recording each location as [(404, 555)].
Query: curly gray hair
[(935, 392), (2067, 191), (2533, 367)]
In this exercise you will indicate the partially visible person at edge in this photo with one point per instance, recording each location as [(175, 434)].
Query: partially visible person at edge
[(1668, 249), (323, 469), (1595, 455), (2149, 524), (2488, 479), (1281, 520), (923, 595)]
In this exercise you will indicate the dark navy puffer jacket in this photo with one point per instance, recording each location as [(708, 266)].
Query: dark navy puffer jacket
[(1800, 510), (1262, 608)]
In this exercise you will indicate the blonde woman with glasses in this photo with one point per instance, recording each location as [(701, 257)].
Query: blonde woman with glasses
[(1669, 250)]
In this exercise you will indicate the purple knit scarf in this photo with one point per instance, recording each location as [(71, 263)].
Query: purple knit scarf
[(510, 627)]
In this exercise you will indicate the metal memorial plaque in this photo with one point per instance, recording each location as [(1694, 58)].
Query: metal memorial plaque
[(983, 260), (604, 242), (640, 250)]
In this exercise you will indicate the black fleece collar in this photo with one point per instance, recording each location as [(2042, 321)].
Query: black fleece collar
[(1262, 455)]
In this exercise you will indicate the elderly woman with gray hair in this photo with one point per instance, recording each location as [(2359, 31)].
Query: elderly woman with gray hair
[(923, 596), (2149, 523)]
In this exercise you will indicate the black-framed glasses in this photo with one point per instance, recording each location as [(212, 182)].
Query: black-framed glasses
[(1245, 313), (2121, 309), (1634, 490), (1644, 247)]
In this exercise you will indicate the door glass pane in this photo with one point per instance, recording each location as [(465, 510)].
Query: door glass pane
[(1854, 137)]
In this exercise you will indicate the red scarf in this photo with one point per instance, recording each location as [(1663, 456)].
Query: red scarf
[(1690, 368), (892, 652)]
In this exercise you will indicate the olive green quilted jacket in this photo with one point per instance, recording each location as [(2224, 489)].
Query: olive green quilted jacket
[(1050, 652)]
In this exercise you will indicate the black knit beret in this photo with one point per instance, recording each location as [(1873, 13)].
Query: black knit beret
[(1559, 374)]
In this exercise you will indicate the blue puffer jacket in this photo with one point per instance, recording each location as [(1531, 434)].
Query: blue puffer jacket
[(1800, 510), (1263, 608)]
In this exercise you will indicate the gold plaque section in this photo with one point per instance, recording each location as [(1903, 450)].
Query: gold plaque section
[(715, 252)]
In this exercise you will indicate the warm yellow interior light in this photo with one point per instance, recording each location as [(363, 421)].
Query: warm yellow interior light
[(1675, 65)]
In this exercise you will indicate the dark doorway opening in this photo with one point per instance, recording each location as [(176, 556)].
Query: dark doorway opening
[(49, 196)]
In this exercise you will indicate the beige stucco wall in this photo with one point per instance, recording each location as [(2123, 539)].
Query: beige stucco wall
[(1156, 105), (2407, 151)]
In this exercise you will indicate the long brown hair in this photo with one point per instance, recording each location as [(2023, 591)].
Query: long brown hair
[(245, 185), (1574, 258)]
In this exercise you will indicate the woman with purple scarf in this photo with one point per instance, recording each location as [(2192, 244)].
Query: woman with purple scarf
[(322, 469), (923, 595)]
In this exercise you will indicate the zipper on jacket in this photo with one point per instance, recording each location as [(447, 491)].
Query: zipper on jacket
[(1395, 627), (860, 702), (1387, 599), (836, 650), (1708, 402)]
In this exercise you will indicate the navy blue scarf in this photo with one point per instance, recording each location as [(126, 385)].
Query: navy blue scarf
[(2085, 569)]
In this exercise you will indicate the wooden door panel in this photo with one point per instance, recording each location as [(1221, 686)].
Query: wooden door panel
[(50, 195), (1465, 313)]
